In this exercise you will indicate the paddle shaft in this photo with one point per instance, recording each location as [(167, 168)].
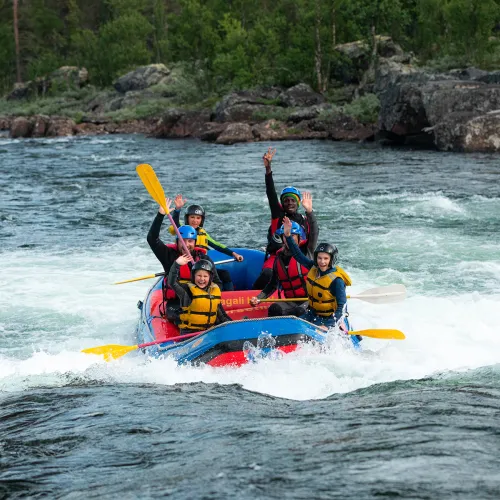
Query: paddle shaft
[(173, 339), (183, 243), (151, 276)]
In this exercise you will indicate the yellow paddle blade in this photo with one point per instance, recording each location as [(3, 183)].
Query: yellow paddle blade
[(149, 276), (152, 184), (111, 351), (376, 333)]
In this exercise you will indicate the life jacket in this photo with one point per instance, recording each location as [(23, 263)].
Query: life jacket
[(202, 312), (321, 300), (292, 279), (201, 239), (184, 272)]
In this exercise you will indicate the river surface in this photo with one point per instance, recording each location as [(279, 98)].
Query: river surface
[(417, 418)]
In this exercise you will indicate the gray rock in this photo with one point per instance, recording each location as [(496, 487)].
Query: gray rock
[(492, 78), (142, 78), (301, 95), (462, 131), (470, 73), (243, 105), (235, 132), (70, 76), (307, 113)]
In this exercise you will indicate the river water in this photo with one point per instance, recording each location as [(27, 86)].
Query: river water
[(411, 419)]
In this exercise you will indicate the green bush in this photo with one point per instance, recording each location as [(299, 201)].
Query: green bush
[(365, 109)]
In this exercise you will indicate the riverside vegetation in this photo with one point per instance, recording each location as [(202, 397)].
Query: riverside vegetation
[(249, 70)]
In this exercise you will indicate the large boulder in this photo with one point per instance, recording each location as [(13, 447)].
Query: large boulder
[(5, 122), (301, 95), (235, 132), (179, 123), (60, 126), (66, 77), (352, 59), (246, 105), (69, 77), (445, 110), (444, 97), (142, 78), (21, 127)]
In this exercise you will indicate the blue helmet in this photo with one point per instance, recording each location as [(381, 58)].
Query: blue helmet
[(188, 233), (296, 229), (291, 191)]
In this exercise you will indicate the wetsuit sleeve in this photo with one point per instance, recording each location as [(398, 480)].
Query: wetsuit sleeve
[(173, 282), (219, 246), (313, 234), (297, 253), (222, 316), (176, 217), (159, 248), (272, 197), (271, 286), (337, 288)]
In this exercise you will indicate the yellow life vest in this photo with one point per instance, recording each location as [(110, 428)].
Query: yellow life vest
[(321, 300), (201, 239), (202, 312)]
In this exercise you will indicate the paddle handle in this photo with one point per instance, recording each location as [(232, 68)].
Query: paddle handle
[(173, 339)]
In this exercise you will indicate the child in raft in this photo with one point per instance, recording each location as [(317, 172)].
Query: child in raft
[(200, 299), (326, 283)]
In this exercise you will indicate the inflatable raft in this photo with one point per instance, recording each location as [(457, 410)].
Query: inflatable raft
[(251, 335)]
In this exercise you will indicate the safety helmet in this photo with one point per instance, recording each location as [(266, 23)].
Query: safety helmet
[(331, 250), (194, 210), (203, 265), (291, 191), (188, 233), (295, 229)]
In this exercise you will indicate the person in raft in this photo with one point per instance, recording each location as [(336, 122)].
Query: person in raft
[(167, 254), (200, 298), (288, 275), (195, 217), (287, 205), (326, 283)]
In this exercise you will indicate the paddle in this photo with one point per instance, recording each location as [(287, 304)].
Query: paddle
[(150, 276), (380, 295), (379, 333), (115, 351), (155, 189)]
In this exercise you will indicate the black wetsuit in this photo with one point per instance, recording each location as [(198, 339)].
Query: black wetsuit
[(167, 256)]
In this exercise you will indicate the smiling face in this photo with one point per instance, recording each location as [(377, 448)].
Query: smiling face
[(290, 204), (202, 278), (323, 261), (190, 243), (194, 220)]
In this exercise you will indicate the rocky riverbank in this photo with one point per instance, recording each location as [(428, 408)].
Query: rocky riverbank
[(397, 103)]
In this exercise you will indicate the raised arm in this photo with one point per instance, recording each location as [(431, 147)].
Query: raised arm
[(272, 196), (294, 248), (173, 280), (176, 214), (312, 222)]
